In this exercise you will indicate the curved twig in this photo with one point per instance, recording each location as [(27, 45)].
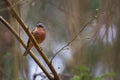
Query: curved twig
[(71, 40)]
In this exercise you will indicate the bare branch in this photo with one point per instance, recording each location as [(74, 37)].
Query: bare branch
[(71, 40), (32, 39), (21, 41), (15, 3)]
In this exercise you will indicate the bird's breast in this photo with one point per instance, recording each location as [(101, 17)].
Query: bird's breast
[(40, 36)]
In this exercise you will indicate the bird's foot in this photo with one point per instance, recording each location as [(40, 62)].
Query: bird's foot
[(41, 49)]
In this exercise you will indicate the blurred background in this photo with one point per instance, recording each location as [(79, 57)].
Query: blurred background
[(96, 47)]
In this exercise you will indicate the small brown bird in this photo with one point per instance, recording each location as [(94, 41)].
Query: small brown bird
[(39, 34)]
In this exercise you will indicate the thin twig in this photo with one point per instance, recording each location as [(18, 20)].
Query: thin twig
[(32, 39), (14, 5), (39, 74), (71, 40), (21, 41)]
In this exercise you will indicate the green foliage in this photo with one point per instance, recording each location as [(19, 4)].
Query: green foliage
[(84, 74), (81, 69), (76, 78), (104, 76)]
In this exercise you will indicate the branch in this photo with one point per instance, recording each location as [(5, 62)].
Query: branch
[(39, 74), (32, 39), (31, 53), (71, 40)]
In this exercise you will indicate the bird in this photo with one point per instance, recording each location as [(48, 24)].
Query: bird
[(39, 34)]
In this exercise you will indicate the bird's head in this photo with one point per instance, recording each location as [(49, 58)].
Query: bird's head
[(40, 25)]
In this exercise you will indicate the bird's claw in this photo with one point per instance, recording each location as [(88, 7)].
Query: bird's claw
[(41, 49)]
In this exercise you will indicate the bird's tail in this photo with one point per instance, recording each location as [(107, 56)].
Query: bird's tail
[(26, 52)]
